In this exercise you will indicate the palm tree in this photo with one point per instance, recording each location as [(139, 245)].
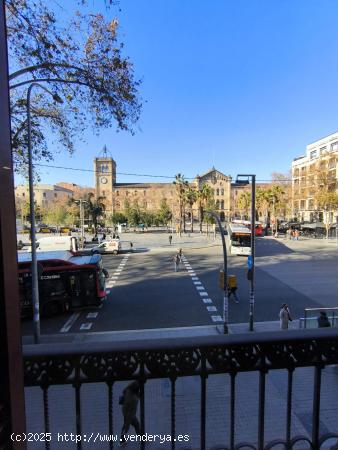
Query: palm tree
[(204, 196), (190, 198), (94, 207), (181, 187)]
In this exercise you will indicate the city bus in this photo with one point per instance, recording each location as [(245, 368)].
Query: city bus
[(259, 230), (239, 240), (67, 282)]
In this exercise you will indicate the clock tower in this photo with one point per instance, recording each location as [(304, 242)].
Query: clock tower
[(105, 177)]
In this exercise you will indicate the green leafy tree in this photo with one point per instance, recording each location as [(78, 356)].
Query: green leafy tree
[(164, 214), (22, 209), (81, 61), (325, 195), (147, 218), (118, 217), (55, 214)]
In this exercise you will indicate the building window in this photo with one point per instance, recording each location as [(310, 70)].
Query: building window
[(44, 194), (126, 193), (117, 204), (55, 194), (222, 191), (217, 204), (322, 149), (145, 193), (135, 192), (313, 154), (217, 191), (23, 194), (222, 204), (117, 192), (144, 204), (302, 204), (334, 146)]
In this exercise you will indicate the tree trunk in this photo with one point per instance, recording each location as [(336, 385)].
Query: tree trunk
[(192, 220)]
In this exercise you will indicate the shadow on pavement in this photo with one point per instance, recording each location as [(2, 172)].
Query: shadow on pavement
[(271, 247)]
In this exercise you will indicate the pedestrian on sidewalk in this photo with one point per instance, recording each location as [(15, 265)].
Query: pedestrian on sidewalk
[(131, 246), (284, 317), (129, 402), (232, 288), (176, 259), (170, 238), (323, 320)]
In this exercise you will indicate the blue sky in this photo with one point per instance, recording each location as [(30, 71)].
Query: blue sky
[(243, 85)]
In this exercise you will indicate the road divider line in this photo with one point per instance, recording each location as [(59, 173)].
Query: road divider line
[(216, 319), (212, 308), (86, 326), (70, 322), (206, 300), (92, 315)]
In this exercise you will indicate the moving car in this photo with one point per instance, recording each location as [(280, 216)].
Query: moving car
[(108, 246)]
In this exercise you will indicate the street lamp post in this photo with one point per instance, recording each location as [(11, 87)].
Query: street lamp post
[(253, 226), (225, 272), (34, 270), (80, 203)]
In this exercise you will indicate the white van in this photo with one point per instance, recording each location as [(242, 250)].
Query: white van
[(48, 244), (108, 246)]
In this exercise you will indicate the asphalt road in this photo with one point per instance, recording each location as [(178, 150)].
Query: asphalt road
[(146, 292)]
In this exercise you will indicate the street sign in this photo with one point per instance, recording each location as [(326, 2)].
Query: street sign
[(250, 263)]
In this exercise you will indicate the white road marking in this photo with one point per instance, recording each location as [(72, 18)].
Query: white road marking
[(67, 326), (110, 283), (191, 270), (196, 282), (195, 278), (86, 326), (107, 292), (192, 274), (200, 288), (92, 315), (216, 319), (211, 308), (206, 300), (114, 277), (203, 294)]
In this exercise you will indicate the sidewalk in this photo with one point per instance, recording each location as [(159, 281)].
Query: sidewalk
[(94, 401)]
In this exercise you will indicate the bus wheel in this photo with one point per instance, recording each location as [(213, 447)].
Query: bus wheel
[(51, 309), (115, 252)]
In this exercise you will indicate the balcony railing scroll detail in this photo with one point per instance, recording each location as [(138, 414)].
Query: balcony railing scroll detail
[(48, 365)]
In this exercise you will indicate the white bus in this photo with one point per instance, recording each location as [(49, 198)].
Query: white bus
[(239, 240)]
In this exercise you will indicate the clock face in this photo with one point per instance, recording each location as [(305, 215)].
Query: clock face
[(104, 180)]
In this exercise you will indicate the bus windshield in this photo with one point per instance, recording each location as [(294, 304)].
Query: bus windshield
[(240, 240)]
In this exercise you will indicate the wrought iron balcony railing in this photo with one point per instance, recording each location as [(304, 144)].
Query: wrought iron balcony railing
[(257, 355)]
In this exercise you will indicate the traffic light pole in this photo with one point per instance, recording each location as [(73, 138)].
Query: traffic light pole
[(253, 229)]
